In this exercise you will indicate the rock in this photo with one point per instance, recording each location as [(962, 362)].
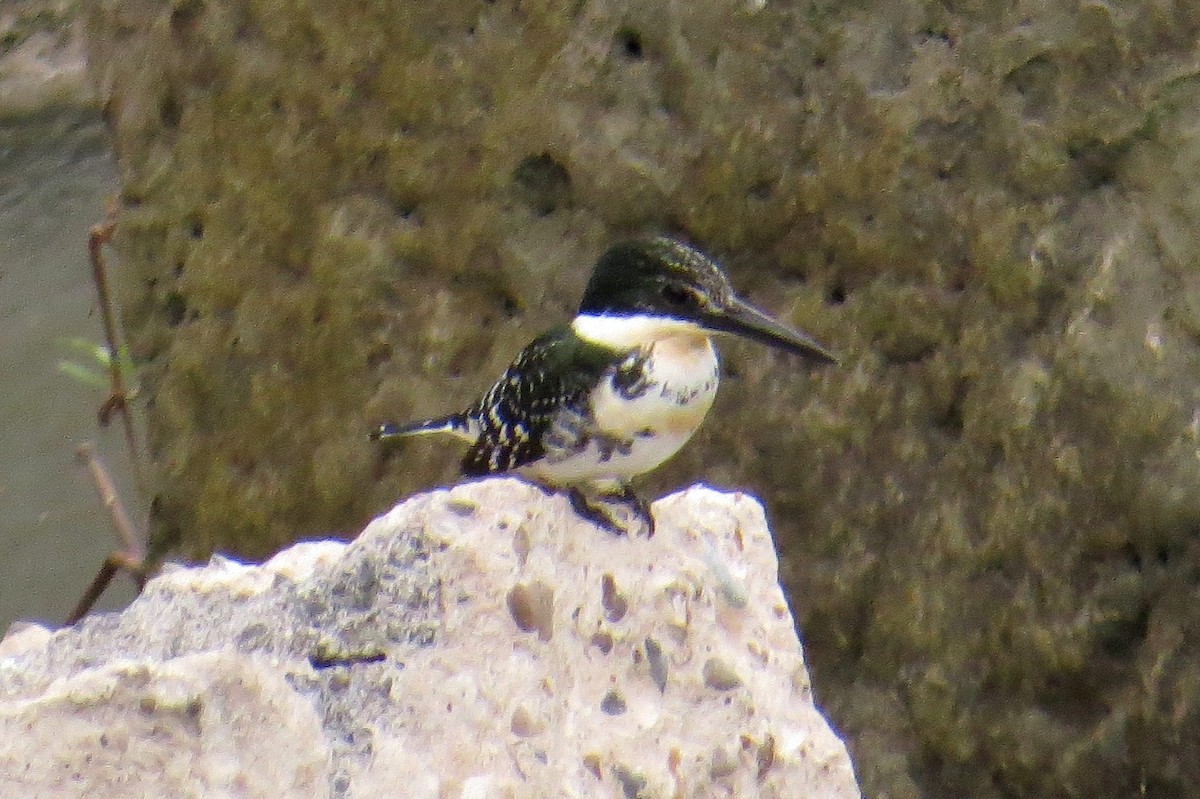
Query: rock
[(212, 724), (42, 63), (334, 214), (476, 642)]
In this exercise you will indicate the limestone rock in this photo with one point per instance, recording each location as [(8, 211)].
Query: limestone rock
[(476, 642), (203, 725)]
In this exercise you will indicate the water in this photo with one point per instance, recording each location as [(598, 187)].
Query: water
[(56, 175)]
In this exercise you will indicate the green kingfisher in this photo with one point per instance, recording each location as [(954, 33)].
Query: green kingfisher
[(588, 406)]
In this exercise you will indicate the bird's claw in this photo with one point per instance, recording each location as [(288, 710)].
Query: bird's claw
[(600, 510)]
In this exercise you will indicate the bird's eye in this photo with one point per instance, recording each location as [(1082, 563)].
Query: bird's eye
[(676, 295)]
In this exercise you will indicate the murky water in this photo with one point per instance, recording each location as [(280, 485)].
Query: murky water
[(55, 177)]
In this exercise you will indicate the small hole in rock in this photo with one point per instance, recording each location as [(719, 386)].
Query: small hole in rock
[(532, 608), (184, 17), (630, 42), (615, 605), (521, 544), (761, 190), (720, 676), (170, 112), (542, 183), (613, 704), (632, 783), (175, 308), (658, 664), (524, 724)]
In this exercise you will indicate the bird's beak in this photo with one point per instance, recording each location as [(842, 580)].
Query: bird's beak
[(742, 319)]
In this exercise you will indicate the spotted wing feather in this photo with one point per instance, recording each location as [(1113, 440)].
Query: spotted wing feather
[(539, 405)]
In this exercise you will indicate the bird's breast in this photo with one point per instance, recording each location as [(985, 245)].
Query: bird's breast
[(664, 390), (642, 412)]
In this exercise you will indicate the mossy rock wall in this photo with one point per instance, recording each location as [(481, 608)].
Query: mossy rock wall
[(337, 213)]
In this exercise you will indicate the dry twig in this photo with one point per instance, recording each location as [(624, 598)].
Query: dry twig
[(132, 555), (118, 398)]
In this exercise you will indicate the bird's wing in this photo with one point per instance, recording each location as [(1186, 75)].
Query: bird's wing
[(531, 408)]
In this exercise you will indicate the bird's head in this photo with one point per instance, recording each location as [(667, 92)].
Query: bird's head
[(664, 278)]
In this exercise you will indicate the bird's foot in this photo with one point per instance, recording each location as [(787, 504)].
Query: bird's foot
[(605, 510)]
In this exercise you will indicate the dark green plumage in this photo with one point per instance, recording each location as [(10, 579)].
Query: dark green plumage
[(655, 276), (517, 417)]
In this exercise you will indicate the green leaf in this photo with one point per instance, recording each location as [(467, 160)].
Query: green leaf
[(97, 354), (88, 349), (83, 374)]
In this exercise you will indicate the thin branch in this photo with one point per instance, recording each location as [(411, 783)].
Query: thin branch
[(118, 399), (131, 542), (114, 563), (132, 556)]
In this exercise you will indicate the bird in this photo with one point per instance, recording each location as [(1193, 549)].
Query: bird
[(588, 406)]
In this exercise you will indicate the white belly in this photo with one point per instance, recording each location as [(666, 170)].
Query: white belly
[(682, 376)]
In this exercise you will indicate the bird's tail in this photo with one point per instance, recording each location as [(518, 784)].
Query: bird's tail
[(456, 425)]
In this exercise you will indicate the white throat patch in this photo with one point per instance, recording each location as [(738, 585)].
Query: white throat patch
[(626, 332)]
